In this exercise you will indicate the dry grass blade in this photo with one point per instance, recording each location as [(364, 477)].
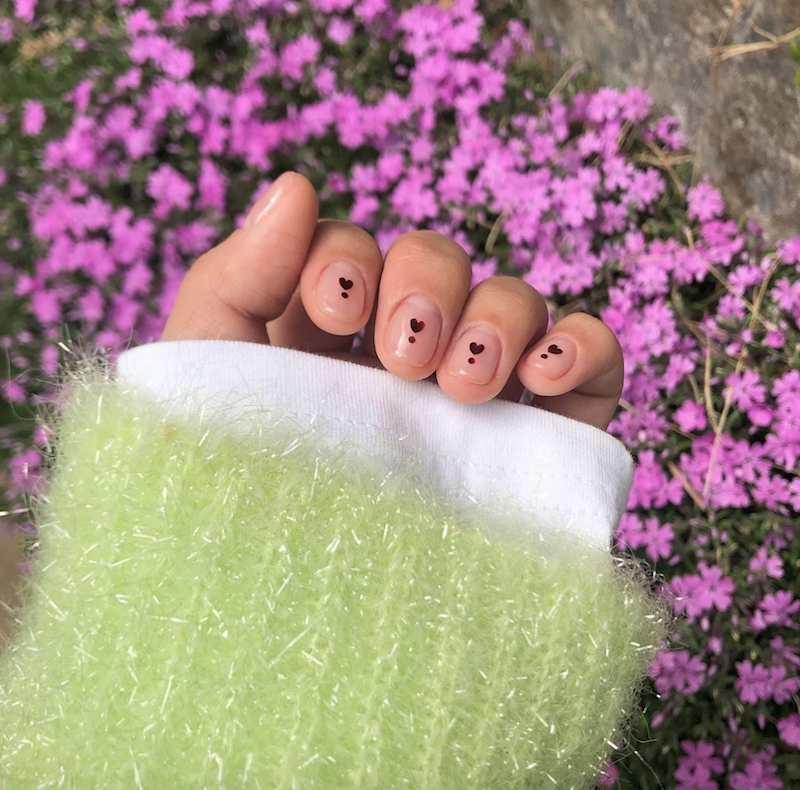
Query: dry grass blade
[(666, 162), (565, 78), (495, 231), (720, 53), (720, 427), (735, 11), (689, 488)]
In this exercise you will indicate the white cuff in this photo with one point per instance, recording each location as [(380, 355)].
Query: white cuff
[(503, 457)]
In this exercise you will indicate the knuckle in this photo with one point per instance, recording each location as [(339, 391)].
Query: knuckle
[(601, 334), (422, 243), (345, 234), (513, 291)]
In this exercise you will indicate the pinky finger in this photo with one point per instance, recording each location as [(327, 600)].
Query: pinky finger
[(576, 370)]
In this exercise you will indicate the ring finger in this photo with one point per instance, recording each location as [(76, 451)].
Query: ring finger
[(502, 317)]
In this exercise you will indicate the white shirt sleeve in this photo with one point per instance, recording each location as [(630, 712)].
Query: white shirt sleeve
[(506, 458)]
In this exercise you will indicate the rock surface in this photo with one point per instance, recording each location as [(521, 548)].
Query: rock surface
[(745, 129)]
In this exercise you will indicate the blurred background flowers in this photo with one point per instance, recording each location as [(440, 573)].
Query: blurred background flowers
[(135, 135)]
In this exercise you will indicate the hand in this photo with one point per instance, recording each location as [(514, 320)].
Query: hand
[(290, 279)]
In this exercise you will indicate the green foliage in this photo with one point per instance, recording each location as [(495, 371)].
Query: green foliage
[(795, 47)]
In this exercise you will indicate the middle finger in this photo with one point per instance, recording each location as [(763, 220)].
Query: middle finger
[(423, 289)]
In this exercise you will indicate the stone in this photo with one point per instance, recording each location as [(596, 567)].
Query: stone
[(741, 116)]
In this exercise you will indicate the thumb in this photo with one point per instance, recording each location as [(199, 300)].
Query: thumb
[(232, 291)]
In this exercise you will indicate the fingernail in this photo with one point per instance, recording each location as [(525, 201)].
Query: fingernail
[(341, 291), (475, 356), (553, 357), (413, 333), (267, 202)]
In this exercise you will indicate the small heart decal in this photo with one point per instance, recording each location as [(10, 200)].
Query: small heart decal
[(346, 284), (554, 349), (417, 326), (476, 348)]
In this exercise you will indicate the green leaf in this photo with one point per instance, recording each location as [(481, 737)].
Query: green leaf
[(795, 47)]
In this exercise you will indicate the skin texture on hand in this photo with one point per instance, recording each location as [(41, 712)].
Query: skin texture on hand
[(291, 279)]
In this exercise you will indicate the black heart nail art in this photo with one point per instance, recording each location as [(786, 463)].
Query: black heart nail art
[(553, 349), (476, 348), (417, 326), (347, 285)]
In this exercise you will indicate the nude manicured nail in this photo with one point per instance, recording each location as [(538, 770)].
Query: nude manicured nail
[(554, 357), (267, 202), (475, 356), (413, 332), (341, 291)]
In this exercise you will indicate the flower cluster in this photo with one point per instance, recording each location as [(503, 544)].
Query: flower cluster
[(143, 135)]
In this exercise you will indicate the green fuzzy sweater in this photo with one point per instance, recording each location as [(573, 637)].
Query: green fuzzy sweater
[(206, 614)]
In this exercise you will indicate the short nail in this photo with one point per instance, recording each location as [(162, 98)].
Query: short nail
[(267, 202), (413, 332), (341, 291), (553, 357), (475, 356)]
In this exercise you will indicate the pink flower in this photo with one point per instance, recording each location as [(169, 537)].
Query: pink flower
[(694, 777), (690, 596), (657, 538), (297, 54), (340, 30), (759, 774), (745, 388), (14, 392), (212, 186), (33, 117), (609, 777), (6, 32), (789, 730), (690, 416), (46, 306), (771, 564), (718, 588), (636, 104), (695, 769), (668, 132), (789, 250), (782, 687), (753, 683), (91, 306), (169, 189), (645, 187), (172, 60), (775, 609), (577, 198), (25, 9), (757, 683), (705, 202), (678, 670), (26, 470), (604, 105)]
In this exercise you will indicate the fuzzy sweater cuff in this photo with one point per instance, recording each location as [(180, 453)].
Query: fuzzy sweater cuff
[(504, 458)]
